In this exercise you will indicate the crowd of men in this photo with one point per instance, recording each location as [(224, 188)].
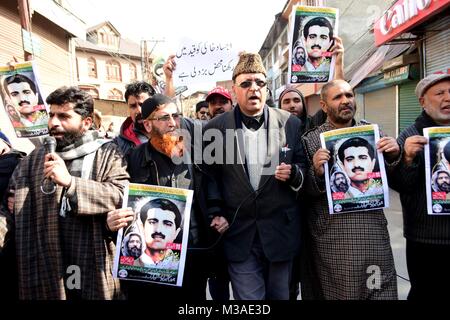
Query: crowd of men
[(259, 218)]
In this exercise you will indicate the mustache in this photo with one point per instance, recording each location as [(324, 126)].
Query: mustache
[(158, 234), (55, 131), (23, 102), (357, 168), (347, 106), (316, 46)]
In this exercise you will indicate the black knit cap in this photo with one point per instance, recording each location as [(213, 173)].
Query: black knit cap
[(151, 104)]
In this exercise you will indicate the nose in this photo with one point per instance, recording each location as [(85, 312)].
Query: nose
[(345, 99), (53, 122), (447, 95), (254, 86)]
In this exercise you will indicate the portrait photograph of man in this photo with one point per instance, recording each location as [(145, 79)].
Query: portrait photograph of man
[(154, 244), (356, 177), (358, 158), (437, 170), (161, 220), (23, 100), (313, 34)]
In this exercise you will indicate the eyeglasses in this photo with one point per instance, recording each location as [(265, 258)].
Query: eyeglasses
[(203, 112), (165, 118), (248, 83)]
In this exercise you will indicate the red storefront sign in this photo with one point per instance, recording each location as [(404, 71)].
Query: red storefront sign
[(404, 15)]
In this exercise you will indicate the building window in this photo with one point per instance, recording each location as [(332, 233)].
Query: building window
[(93, 92), (101, 38), (133, 72), (92, 68), (115, 94), (113, 71)]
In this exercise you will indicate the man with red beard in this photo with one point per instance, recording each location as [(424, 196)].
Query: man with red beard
[(132, 131), (165, 160), (53, 232)]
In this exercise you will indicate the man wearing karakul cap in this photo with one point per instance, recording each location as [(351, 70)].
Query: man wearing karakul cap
[(259, 186), (427, 236)]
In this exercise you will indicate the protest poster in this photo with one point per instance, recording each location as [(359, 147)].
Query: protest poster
[(204, 62), (311, 38), (23, 100), (153, 247), (355, 175), (437, 170)]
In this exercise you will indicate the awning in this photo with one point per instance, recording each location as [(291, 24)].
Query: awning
[(372, 61)]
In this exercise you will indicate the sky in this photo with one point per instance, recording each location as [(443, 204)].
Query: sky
[(245, 23)]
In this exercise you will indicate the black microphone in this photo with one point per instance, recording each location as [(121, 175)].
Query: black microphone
[(48, 186)]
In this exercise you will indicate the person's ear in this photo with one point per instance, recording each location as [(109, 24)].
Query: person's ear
[(147, 126), (422, 101), (87, 123), (323, 105)]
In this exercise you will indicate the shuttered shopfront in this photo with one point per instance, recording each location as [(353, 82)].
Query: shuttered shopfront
[(437, 45), (409, 106), (380, 107)]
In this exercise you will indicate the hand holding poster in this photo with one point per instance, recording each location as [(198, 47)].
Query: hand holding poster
[(153, 247), (23, 100), (311, 34), (203, 62), (355, 175), (437, 170)]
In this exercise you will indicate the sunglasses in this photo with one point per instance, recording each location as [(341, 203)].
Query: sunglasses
[(165, 118), (248, 83)]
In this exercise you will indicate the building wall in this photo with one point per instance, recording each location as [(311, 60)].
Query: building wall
[(101, 83), (53, 63)]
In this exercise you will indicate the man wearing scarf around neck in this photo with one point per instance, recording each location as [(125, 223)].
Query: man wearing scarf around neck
[(427, 237), (63, 247)]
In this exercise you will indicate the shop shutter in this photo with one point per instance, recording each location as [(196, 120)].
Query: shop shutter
[(437, 46), (380, 107), (409, 106)]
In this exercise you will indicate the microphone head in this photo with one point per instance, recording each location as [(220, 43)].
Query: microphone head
[(50, 144)]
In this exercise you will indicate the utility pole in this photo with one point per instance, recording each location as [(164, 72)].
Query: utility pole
[(147, 60), (25, 22)]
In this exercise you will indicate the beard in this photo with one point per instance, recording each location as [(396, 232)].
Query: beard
[(68, 138), (444, 186), (342, 187), (135, 252), (337, 117), (170, 144)]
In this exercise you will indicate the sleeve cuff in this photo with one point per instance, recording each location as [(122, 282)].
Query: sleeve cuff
[(71, 190)]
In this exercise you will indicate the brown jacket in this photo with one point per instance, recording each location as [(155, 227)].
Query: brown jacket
[(343, 248), (38, 228)]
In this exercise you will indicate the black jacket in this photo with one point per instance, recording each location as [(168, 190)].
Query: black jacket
[(143, 169), (273, 210)]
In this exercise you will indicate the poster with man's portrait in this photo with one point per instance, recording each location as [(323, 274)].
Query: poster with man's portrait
[(355, 176), (23, 100), (153, 247), (437, 170), (311, 39)]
